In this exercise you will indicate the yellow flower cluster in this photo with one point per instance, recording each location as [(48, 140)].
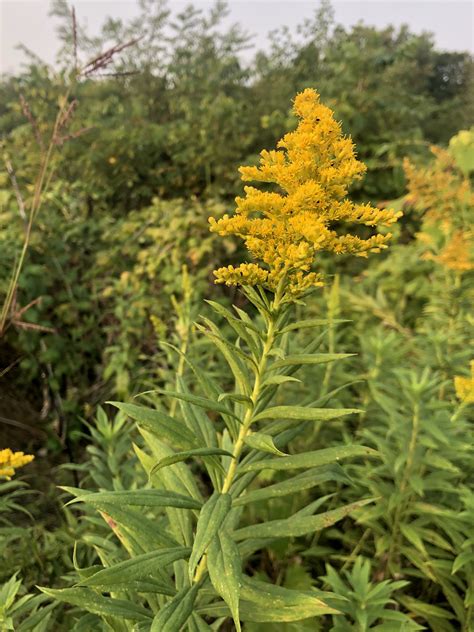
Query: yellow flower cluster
[(465, 386), (285, 229), (440, 191), (11, 461), (458, 253)]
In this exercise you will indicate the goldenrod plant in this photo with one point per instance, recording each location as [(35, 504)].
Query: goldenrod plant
[(187, 542), (23, 612), (367, 605)]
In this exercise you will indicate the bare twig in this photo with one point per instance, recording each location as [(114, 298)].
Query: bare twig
[(19, 424), (8, 368), (33, 122), (104, 59), (60, 140), (74, 39)]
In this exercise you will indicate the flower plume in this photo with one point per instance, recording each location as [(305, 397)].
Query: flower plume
[(284, 229)]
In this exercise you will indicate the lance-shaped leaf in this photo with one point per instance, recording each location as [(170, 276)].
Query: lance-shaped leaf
[(262, 602), (139, 567), (224, 565), (197, 624), (304, 413), (235, 397), (297, 526), (262, 442), (309, 358), (264, 594), (182, 456), (231, 355), (174, 615), (90, 601), (136, 498), (275, 380), (211, 517), (243, 328), (160, 424), (311, 322), (202, 402), (294, 485), (310, 459)]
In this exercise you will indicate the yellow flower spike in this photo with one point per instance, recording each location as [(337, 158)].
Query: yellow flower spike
[(11, 461), (284, 229), (464, 386), (458, 253)]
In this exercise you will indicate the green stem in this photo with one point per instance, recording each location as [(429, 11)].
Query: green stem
[(402, 505), (248, 418)]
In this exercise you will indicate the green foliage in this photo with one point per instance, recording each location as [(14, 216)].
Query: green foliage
[(22, 612), (367, 605), (213, 546)]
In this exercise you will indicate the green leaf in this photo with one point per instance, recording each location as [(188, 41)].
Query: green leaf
[(89, 600), (269, 596), (182, 456), (412, 535), (160, 424), (262, 602), (294, 485), (466, 557), (174, 615), (224, 565), (304, 413), (423, 609), (310, 358), (236, 397), (139, 567), (279, 379), (211, 517), (139, 498), (237, 367), (311, 322), (262, 442), (202, 402), (310, 459), (297, 526)]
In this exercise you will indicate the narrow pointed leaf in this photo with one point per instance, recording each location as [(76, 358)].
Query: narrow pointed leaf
[(310, 358), (139, 498), (311, 322), (294, 485), (139, 567), (160, 424), (279, 379), (174, 615), (211, 517), (89, 600), (304, 413), (182, 456), (297, 526), (310, 459), (262, 442), (224, 565), (235, 397), (202, 402)]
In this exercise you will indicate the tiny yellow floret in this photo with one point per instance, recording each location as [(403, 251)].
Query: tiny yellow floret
[(284, 229), (11, 461)]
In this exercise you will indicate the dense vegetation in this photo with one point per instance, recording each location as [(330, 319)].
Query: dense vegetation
[(361, 389)]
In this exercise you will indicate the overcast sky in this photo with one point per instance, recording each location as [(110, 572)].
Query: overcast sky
[(451, 21)]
